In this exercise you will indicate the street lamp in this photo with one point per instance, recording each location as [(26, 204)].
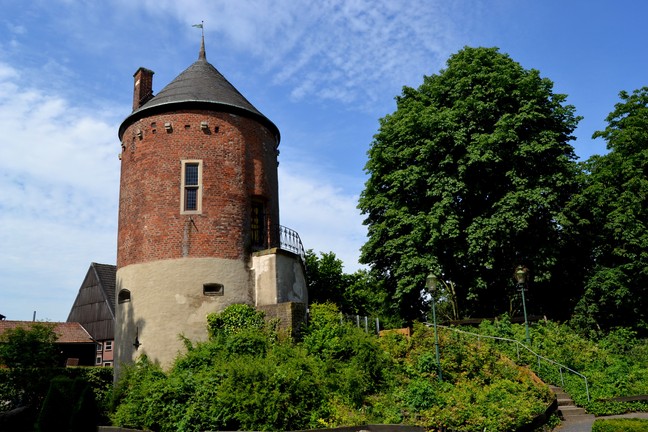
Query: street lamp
[(520, 276), (431, 283)]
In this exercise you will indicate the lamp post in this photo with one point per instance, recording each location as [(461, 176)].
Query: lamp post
[(431, 283), (520, 276)]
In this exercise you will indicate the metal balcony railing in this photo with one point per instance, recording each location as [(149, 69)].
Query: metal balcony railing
[(280, 237), (289, 240)]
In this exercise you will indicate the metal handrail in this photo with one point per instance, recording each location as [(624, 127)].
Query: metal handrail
[(289, 240), (520, 344)]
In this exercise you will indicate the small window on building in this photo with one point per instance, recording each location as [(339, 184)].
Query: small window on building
[(123, 296), (99, 346), (98, 361), (191, 190), (213, 289), (107, 364), (258, 225), (108, 345)]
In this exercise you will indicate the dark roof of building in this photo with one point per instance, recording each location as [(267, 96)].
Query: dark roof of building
[(94, 306), (67, 332), (106, 274), (200, 85)]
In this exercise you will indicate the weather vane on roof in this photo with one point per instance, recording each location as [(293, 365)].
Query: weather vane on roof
[(201, 26)]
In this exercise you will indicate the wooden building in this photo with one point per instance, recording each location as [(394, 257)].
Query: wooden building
[(94, 309)]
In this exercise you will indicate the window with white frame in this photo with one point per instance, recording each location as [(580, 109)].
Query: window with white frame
[(108, 346), (191, 187)]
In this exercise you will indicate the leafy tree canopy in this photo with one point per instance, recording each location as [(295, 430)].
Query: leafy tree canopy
[(467, 178), (29, 346), (358, 293), (613, 210), (326, 278)]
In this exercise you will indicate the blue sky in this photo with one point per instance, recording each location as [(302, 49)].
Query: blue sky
[(323, 71)]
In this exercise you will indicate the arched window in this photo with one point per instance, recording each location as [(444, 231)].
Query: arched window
[(123, 296)]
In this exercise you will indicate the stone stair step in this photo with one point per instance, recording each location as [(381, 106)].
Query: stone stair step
[(570, 411), (566, 408), (580, 417), (558, 391)]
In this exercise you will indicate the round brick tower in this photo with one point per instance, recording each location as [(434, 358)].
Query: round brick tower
[(198, 199)]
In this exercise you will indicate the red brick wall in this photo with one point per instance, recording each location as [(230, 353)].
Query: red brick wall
[(239, 163)]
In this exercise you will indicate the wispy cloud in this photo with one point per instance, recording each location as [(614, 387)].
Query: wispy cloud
[(347, 51), (61, 103)]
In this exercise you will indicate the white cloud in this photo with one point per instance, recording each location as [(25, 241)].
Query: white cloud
[(348, 51), (325, 215), (58, 197)]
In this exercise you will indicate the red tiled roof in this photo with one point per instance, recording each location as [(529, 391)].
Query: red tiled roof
[(68, 332)]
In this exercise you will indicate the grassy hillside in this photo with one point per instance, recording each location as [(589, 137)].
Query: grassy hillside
[(615, 364)]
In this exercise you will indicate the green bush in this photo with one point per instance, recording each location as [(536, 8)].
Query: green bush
[(133, 405), (615, 364), (57, 407), (620, 425), (244, 378), (233, 319), (29, 387), (69, 406)]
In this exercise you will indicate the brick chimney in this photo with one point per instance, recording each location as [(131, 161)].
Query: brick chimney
[(143, 89)]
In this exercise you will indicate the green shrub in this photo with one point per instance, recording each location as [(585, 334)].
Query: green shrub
[(615, 364), (39, 381), (134, 407), (243, 378), (69, 406), (620, 425), (85, 413), (57, 407), (233, 319)]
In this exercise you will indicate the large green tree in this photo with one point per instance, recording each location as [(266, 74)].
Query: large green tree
[(613, 210), (358, 293), (467, 178)]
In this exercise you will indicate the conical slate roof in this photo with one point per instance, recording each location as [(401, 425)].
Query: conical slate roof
[(199, 86)]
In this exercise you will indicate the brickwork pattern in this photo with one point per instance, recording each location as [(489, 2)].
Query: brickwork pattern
[(239, 165)]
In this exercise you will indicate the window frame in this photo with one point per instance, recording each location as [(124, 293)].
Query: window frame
[(184, 186)]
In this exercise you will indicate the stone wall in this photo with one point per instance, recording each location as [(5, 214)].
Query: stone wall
[(291, 316)]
